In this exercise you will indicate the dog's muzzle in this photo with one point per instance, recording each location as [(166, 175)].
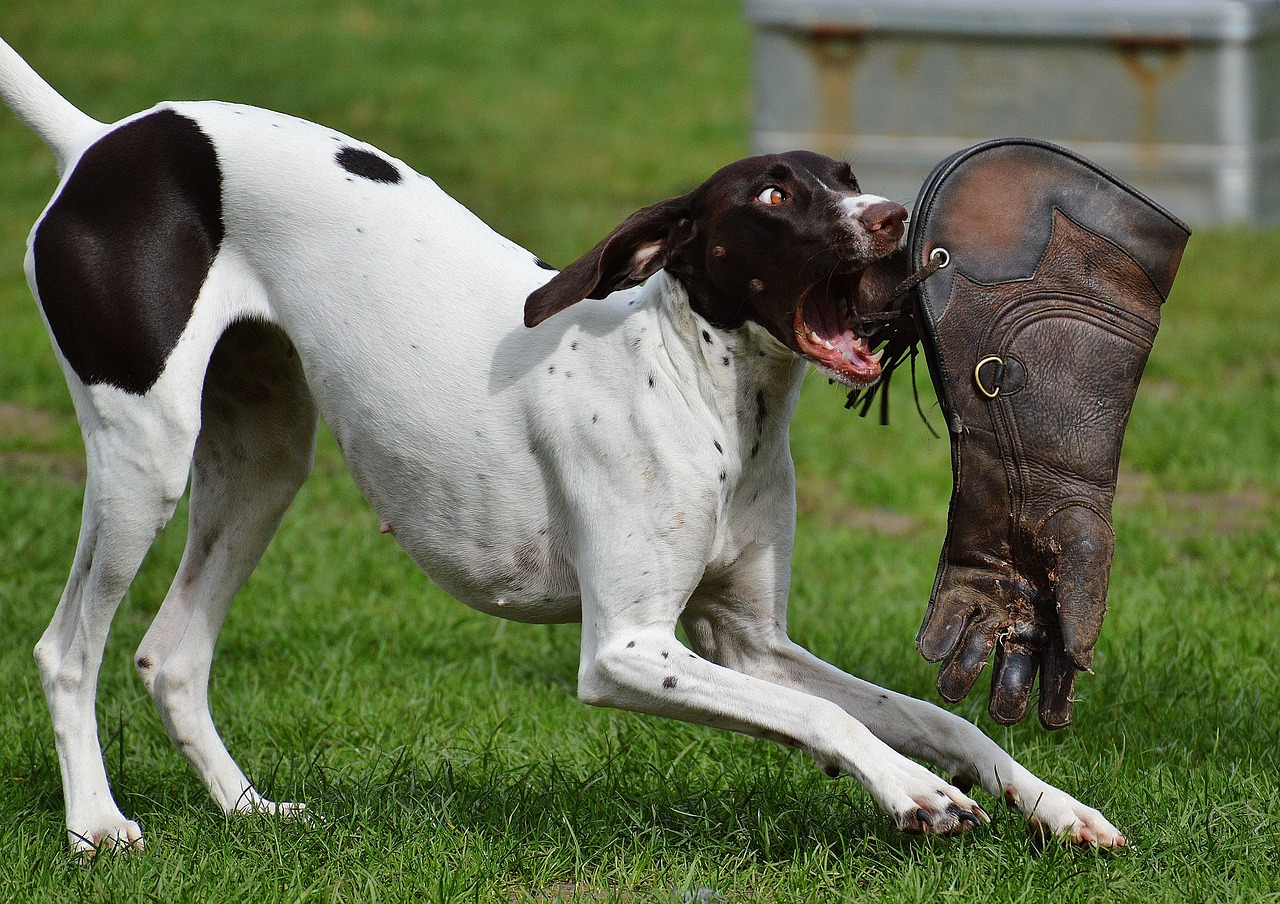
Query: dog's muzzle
[(1049, 275)]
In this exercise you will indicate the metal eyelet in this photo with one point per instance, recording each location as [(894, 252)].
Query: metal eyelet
[(942, 256), (977, 375)]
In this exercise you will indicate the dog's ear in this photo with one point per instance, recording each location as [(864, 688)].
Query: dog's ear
[(645, 243)]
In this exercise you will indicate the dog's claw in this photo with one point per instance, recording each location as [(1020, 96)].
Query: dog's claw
[(1052, 814), (1080, 835), (125, 838), (953, 819)]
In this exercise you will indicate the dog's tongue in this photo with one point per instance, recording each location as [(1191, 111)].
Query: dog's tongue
[(824, 337)]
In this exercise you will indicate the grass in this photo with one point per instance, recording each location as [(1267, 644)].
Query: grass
[(444, 750)]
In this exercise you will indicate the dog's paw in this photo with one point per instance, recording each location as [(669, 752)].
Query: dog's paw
[(938, 816), (927, 805), (1053, 814), (119, 834)]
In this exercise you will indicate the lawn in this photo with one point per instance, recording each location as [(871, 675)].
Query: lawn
[(445, 752)]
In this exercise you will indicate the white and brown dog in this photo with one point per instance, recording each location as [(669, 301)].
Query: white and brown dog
[(215, 277)]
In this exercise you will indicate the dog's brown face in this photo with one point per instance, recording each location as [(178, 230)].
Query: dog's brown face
[(783, 240)]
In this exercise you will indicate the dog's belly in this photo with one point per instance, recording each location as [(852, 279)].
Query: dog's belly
[(508, 562), (461, 494), (443, 452)]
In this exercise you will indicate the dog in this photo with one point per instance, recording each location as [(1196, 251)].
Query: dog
[(217, 277)]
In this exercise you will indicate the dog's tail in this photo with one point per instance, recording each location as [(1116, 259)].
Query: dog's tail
[(50, 115)]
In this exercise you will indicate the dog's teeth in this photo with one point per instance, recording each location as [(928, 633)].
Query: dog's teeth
[(877, 356), (818, 340)]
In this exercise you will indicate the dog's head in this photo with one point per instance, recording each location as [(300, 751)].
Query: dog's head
[(784, 240)]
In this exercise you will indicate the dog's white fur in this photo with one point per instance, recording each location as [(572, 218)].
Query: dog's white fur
[(467, 434)]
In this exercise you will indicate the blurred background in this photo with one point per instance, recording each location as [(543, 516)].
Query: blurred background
[(1178, 97)]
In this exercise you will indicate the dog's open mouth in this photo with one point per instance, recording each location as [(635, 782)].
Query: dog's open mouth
[(824, 332)]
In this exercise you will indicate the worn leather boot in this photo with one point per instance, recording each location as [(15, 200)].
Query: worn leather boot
[(1036, 331)]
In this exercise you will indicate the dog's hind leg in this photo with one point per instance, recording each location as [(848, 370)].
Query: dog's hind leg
[(138, 452), (254, 451)]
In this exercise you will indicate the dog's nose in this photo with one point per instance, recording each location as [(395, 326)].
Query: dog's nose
[(884, 216)]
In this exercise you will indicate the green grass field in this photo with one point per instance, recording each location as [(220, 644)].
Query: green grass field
[(445, 751)]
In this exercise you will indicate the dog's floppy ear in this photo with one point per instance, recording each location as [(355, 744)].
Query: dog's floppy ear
[(640, 247)]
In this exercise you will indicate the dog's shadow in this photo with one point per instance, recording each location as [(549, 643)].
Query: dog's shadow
[(522, 350), (769, 807)]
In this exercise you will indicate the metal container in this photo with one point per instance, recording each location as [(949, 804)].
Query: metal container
[(1181, 98)]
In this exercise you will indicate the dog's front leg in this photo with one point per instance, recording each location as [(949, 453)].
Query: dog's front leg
[(631, 659), (732, 623)]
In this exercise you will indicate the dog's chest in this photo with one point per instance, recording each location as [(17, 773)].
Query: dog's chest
[(598, 446)]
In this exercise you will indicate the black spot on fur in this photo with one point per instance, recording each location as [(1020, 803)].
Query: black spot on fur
[(367, 165), (541, 263), (719, 448), (650, 380), (762, 411), (630, 644), (123, 251), (706, 337), (669, 682)]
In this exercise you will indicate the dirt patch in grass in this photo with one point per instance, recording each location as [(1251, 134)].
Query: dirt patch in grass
[(822, 501), (37, 466), (23, 422), (39, 427), (1230, 512)]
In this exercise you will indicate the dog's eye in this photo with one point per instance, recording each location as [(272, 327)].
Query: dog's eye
[(772, 195)]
